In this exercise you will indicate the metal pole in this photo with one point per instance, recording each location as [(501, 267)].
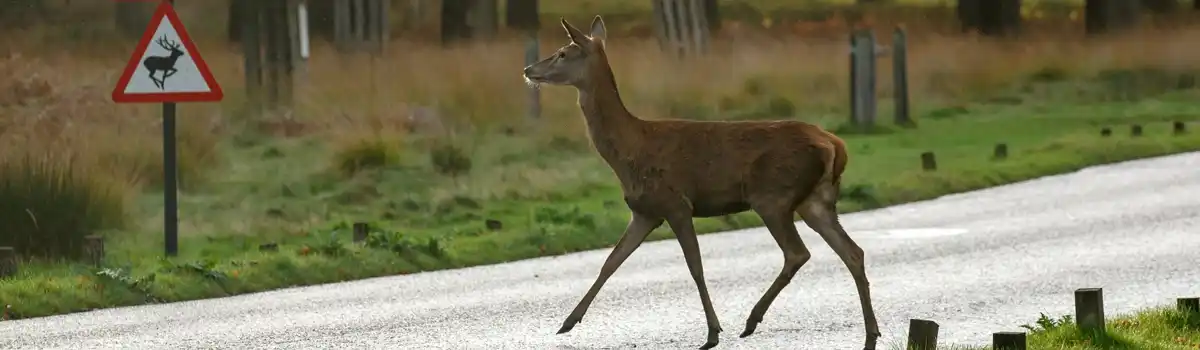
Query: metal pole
[(170, 190)]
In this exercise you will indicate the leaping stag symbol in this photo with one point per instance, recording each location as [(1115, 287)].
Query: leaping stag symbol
[(166, 64)]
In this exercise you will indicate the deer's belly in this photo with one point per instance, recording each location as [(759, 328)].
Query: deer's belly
[(707, 210)]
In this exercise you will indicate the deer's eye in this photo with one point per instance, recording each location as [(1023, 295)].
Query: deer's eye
[(562, 54)]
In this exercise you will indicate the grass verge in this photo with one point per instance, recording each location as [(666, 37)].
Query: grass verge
[(485, 186), (1159, 328), (1042, 139)]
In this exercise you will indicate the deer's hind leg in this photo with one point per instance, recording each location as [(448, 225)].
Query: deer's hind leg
[(779, 220), (820, 213)]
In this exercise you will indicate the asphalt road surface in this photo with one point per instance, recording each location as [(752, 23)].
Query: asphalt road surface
[(977, 263)]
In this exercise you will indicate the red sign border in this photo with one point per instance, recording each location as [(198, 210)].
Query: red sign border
[(165, 10)]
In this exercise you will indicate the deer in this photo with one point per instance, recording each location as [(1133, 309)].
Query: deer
[(674, 170), (166, 64)]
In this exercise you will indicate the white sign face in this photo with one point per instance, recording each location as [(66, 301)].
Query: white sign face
[(165, 66)]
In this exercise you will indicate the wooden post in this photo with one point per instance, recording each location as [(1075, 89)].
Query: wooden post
[(990, 17), (341, 25), (383, 27), (870, 80), (297, 36), (250, 36), (1105, 132), (132, 17), (900, 77), (1000, 152), (1135, 130), (682, 26), (922, 335), (9, 265), (699, 27), (854, 78), (482, 16), (523, 15), (1188, 305), (93, 250), (278, 60), (493, 224), (1000, 17), (1089, 310), (454, 25), (712, 15), (1179, 127), (928, 161), (1107, 16), (863, 80), (1161, 6), (1009, 341), (361, 25), (361, 230), (969, 16), (234, 16)]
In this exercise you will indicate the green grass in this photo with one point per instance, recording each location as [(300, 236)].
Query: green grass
[(1159, 328), (429, 202)]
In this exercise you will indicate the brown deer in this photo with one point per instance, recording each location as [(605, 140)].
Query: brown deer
[(676, 170)]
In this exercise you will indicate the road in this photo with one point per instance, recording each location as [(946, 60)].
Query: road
[(977, 263)]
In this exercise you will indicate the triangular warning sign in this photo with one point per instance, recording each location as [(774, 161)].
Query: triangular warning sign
[(165, 66)]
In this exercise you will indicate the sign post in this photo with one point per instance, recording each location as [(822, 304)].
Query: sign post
[(171, 71)]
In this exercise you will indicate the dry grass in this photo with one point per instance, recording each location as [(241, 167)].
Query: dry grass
[(54, 101), (285, 177)]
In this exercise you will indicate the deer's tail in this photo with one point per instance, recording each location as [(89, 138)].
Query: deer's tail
[(834, 157)]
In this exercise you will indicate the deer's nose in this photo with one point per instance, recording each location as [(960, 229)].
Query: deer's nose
[(528, 69)]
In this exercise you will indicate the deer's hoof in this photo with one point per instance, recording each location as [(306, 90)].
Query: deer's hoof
[(872, 337), (568, 325), (713, 338), (750, 327)]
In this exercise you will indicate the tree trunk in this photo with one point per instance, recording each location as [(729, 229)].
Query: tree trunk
[(521, 14), (969, 15), (454, 21), (712, 14), (133, 17), (1106, 16), (1161, 6), (233, 26), (483, 17)]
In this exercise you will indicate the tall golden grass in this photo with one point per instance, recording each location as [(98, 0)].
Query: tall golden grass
[(54, 98)]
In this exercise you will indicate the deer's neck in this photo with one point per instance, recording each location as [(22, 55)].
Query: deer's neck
[(613, 130)]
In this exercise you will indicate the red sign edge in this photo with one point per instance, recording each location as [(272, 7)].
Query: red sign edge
[(165, 10)]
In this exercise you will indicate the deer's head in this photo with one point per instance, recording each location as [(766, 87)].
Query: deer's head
[(572, 64), (169, 45)]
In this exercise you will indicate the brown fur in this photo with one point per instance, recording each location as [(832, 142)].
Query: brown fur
[(675, 170)]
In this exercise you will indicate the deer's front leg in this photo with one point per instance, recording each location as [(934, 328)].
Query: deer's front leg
[(686, 235), (635, 233)]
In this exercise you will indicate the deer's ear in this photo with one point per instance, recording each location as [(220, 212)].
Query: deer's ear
[(573, 33), (599, 32)]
